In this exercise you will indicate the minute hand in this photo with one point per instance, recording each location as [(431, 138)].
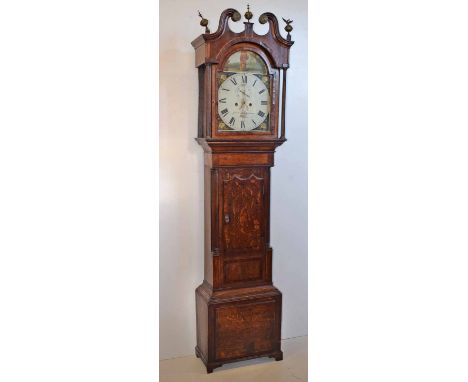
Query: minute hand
[(244, 93)]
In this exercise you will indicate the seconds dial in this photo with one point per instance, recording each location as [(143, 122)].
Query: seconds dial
[(243, 101)]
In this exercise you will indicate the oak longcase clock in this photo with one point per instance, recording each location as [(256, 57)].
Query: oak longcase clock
[(241, 122)]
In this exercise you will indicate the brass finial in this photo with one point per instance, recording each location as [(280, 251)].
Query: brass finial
[(288, 28), (248, 15), (204, 22)]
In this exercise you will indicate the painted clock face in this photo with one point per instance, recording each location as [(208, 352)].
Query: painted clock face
[(244, 99), (243, 102)]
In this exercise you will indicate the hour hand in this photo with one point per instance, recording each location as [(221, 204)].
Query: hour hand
[(244, 93)]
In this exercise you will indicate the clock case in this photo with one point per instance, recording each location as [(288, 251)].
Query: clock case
[(238, 309)]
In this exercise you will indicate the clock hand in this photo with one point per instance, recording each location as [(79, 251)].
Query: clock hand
[(244, 93)]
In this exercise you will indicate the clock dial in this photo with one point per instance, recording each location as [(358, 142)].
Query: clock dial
[(243, 101)]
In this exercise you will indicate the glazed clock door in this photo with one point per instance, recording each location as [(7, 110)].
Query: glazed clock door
[(243, 224)]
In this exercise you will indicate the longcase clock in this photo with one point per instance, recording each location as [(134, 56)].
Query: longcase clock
[(241, 122)]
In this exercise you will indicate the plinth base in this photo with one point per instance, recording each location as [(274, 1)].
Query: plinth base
[(237, 324)]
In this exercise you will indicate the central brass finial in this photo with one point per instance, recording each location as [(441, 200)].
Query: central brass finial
[(248, 15)]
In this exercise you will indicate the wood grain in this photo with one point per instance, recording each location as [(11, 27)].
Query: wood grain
[(238, 308)]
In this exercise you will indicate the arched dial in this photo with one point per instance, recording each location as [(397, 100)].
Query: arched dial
[(243, 101)]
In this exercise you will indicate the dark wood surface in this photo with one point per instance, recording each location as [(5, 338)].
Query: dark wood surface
[(238, 308)]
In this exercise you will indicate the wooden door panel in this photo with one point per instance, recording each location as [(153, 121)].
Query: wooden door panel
[(243, 210)]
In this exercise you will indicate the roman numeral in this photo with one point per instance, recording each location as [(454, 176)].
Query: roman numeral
[(261, 91), (224, 112), (242, 125), (264, 102), (244, 79), (232, 120), (254, 122), (225, 89), (254, 83), (222, 100), (261, 114), (233, 80)]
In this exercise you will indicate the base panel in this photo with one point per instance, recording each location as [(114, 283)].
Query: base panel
[(238, 324)]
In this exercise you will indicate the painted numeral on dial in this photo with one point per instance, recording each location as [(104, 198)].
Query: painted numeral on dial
[(231, 121), (261, 91), (264, 102), (233, 80), (242, 125), (244, 79), (224, 112), (222, 100), (261, 114)]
